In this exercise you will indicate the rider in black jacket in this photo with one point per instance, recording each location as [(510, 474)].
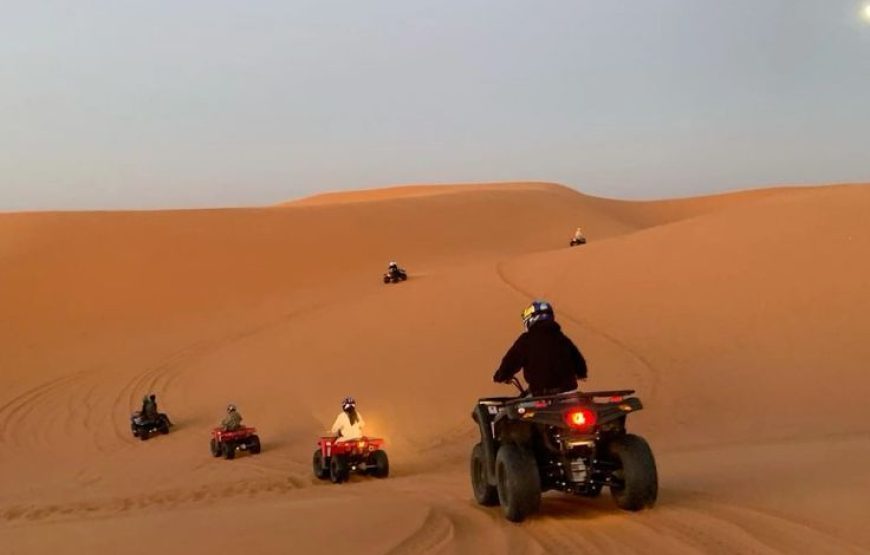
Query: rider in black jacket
[(551, 363)]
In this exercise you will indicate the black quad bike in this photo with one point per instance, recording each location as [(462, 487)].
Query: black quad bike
[(578, 241), (396, 275), (143, 427), (572, 442)]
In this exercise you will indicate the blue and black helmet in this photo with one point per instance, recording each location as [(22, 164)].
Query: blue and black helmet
[(538, 310)]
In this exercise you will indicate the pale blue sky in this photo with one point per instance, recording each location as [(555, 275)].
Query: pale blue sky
[(159, 103)]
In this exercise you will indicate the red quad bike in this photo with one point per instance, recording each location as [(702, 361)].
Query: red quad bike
[(571, 442), (337, 459), (225, 444)]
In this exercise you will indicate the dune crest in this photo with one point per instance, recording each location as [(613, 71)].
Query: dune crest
[(398, 192)]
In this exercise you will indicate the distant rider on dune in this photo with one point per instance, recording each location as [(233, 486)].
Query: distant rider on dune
[(349, 423), (232, 421), (550, 361)]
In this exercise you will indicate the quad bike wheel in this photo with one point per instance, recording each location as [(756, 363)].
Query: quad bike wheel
[(228, 450), (339, 471), (254, 445), (380, 463), (635, 482), (519, 483), (214, 447), (164, 425), (321, 470), (143, 434), (484, 493)]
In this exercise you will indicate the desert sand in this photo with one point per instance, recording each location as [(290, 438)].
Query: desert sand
[(742, 320)]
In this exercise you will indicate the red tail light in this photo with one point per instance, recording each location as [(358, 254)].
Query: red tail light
[(580, 419)]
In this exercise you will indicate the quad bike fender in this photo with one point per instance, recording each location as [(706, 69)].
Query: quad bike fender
[(508, 430), (487, 440), (616, 412)]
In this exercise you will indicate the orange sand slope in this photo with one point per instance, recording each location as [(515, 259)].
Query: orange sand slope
[(741, 319)]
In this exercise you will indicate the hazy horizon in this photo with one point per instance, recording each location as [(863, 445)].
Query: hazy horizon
[(201, 104)]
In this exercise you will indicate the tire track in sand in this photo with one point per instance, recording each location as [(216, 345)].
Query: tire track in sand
[(163, 500), (697, 526), (15, 412), (434, 535)]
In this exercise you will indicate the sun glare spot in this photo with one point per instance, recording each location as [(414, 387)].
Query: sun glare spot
[(866, 12)]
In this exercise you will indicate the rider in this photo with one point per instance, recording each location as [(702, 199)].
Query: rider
[(393, 270), (578, 236), (349, 423), (149, 407), (233, 420), (550, 361)]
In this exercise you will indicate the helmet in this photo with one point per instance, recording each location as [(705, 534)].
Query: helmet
[(152, 397), (537, 311), (231, 408), (393, 265), (348, 403)]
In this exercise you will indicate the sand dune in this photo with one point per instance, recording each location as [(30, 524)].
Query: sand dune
[(741, 319)]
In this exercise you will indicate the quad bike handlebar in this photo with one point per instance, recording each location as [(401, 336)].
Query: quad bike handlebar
[(515, 381)]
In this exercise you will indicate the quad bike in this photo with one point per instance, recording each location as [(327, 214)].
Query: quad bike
[(572, 442), (578, 241), (395, 276), (335, 460), (226, 443), (143, 427)]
